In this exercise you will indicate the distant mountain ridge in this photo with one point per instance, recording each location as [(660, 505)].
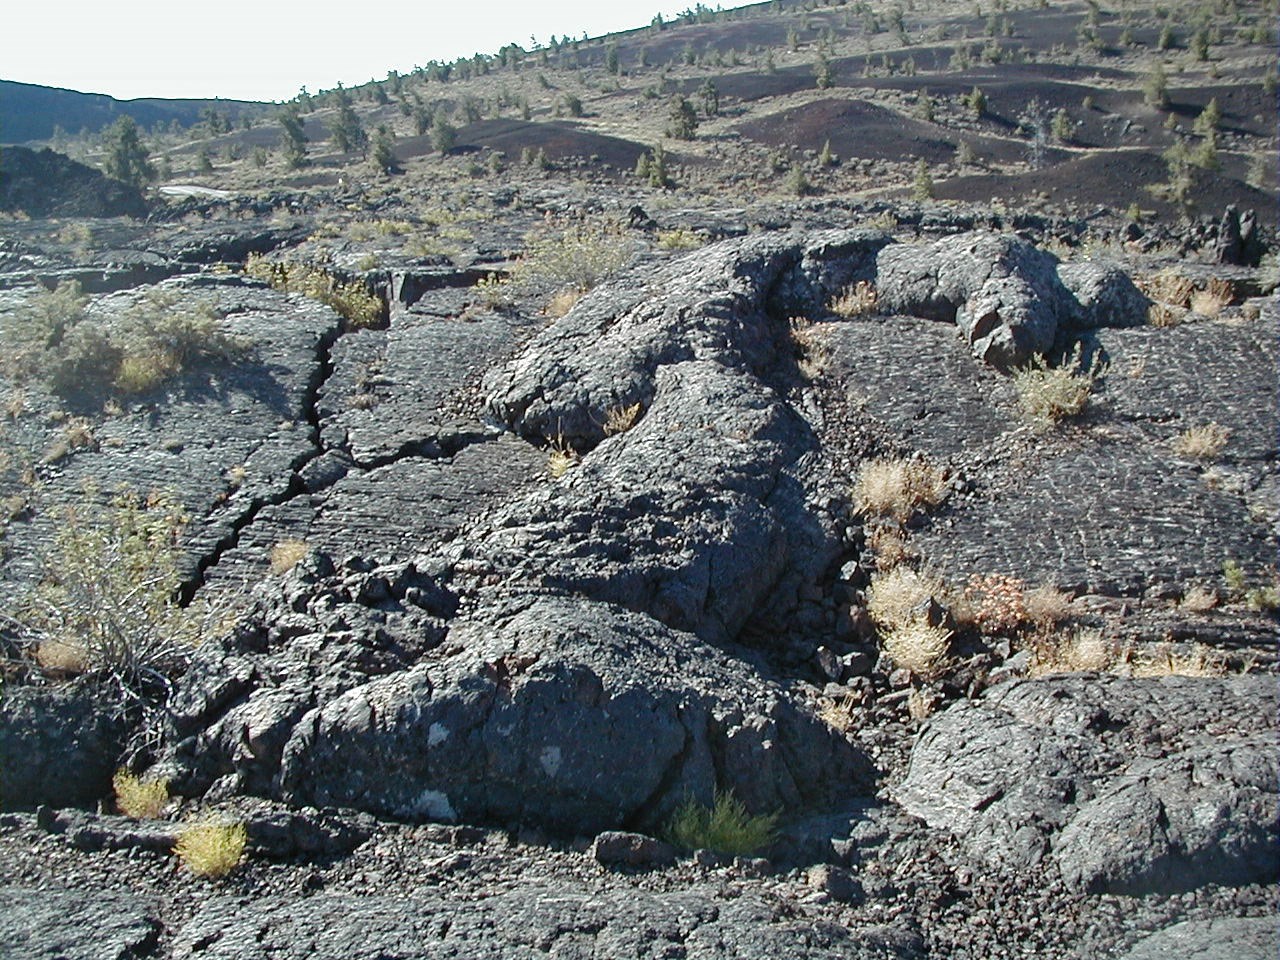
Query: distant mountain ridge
[(30, 112)]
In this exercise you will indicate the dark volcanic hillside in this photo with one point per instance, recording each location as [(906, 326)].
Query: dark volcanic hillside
[(30, 112), (783, 483)]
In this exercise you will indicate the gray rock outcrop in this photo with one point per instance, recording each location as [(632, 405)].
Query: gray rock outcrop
[(1129, 786)]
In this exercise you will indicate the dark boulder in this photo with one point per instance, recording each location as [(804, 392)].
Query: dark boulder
[(1129, 786)]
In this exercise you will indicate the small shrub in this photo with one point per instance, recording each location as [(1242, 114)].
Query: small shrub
[(1049, 395), (917, 646), (897, 596), (998, 602), (858, 300), (286, 555), (1211, 301), (621, 419), (1233, 575), (212, 849), (140, 799), (898, 488), (1203, 442), (726, 827), (352, 301), (108, 589), (680, 239), (1167, 661), (579, 255), (1263, 599)]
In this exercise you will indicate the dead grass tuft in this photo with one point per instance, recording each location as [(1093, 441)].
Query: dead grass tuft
[(917, 646), (1080, 651), (858, 300), (898, 488), (1047, 606), (1199, 599), (561, 458), (562, 302), (812, 355), (286, 555), (1049, 395), (897, 597), (1203, 442), (621, 419)]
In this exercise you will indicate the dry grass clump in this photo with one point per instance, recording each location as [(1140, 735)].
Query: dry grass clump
[(1164, 316), (1049, 395), (562, 302), (838, 713), (1211, 301), (1199, 599), (1046, 606), (561, 458), (812, 355), (888, 545), (621, 419), (1168, 286), (1085, 651), (858, 300), (1080, 651), (896, 597), (1202, 442), (137, 798), (898, 488), (212, 849), (1166, 661), (577, 255), (286, 555), (918, 646)]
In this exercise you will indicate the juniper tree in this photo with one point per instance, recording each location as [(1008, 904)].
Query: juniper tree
[(348, 134), (683, 122), (294, 145), (127, 160)]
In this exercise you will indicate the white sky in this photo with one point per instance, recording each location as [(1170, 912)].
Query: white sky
[(266, 50)]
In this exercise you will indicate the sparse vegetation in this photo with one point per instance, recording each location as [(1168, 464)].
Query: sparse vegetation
[(725, 827), (898, 487), (918, 646), (561, 457), (897, 596), (137, 798), (350, 300), (286, 555), (1049, 395), (858, 300), (108, 592), (211, 848), (577, 255), (621, 419), (1202, 442)]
